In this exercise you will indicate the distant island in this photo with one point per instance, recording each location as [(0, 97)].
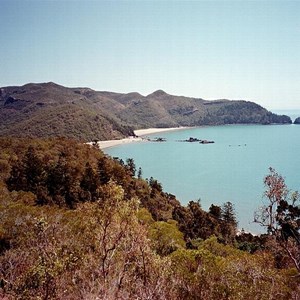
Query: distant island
[(51, 110), (297, 120)]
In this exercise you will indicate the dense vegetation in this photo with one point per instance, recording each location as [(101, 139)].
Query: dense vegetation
[(50, 110), (76, 224)]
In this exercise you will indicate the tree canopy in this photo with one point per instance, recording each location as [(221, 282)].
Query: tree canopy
[(77, 224)]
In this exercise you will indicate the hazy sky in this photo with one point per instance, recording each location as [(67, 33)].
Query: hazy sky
[(208, 49)]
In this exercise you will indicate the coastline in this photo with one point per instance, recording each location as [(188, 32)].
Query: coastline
[(112, 143), (140, 136), (144, 132)]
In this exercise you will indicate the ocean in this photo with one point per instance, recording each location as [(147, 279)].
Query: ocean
[(231, 169)]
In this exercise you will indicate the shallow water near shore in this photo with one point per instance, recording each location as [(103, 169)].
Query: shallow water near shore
[(232, 169)]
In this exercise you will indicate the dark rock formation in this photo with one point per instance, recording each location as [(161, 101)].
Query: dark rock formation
[(297, 121)]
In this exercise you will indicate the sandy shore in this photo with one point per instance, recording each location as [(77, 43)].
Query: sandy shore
[(141, 133), (112, 143)]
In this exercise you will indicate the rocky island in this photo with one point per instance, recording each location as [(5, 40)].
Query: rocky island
[(193, 140), (297, 121)]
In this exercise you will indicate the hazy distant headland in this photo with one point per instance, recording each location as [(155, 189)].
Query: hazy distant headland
[(297, 120), (49, 110)]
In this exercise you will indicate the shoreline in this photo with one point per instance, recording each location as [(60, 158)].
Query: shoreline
[(144, 132), (140, 136)]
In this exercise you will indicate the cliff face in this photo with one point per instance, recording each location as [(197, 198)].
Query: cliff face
[(48, 109)]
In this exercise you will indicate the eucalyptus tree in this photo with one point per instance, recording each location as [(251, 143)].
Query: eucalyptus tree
[(281, 216)]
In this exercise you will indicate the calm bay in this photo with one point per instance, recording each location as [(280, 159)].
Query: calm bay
[(231, 169)]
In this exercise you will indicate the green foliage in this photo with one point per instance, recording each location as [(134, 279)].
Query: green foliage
[(248, 242), (131, 166), (215, 271), (144, 216), (166, 237), (122, 238), (215, 211), (228, 213), (50, 110), (197, 224), (281, 216), (65, 173)]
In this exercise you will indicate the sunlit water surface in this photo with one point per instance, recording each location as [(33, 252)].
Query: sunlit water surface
[(232, 169)]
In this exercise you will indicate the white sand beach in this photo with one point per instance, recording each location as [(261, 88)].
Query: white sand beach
[(112, 143), (141, 136), (143, 132)]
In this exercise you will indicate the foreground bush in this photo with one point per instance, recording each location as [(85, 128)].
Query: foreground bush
[(100, 233)]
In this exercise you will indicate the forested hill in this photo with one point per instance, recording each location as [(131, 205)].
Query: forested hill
[(49, 110), (76, 224)]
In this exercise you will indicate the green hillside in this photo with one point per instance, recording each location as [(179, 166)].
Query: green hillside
[(45, 110), (51, 110), (76, 224)]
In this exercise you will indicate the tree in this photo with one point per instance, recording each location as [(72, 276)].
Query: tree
[(104, 170), (228, 213), (215, 211), (229, 227), (166, 237), (131, 166), (90, 182), (27, 174), (63, 182), (281, 216), (155, 186), (33, 169), (140, 173)]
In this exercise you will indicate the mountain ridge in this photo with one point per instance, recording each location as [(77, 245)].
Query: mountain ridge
[(49, 109)]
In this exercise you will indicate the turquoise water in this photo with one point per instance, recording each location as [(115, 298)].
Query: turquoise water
[(232, 169)]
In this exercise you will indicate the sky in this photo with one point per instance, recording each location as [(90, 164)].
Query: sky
[(206, 49)]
